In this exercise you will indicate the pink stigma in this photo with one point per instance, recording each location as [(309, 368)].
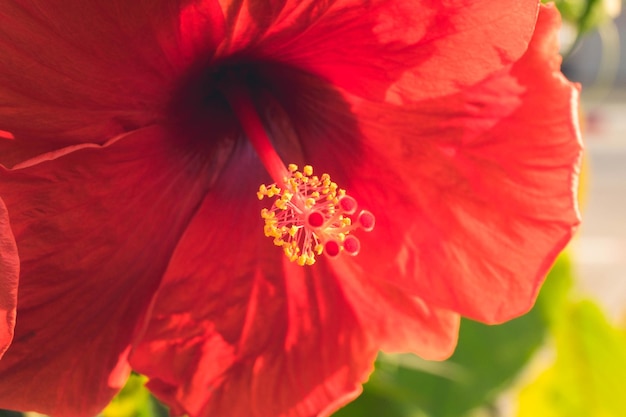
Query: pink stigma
[(367, 220), (332, 248), (316, 219)]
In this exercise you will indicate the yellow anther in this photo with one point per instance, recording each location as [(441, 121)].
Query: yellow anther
[(272, 191), (262, 192), (288, 221), (266, 214)]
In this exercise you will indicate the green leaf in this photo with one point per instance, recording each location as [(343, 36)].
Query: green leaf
[(588, 377), (9, 413), (584, 14), (134, 400)]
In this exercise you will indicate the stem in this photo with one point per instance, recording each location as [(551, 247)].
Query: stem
[(246, 112)]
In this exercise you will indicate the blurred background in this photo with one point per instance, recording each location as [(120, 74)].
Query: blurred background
[(567, 357), (599, 252)]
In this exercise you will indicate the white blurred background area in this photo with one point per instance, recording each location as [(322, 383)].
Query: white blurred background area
[(599, 251)]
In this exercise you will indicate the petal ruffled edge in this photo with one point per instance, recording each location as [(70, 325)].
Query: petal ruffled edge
[(480, 187), (385, 50), (9, 279)]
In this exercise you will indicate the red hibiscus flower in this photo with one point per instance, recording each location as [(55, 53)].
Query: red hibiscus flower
[(141, 131)]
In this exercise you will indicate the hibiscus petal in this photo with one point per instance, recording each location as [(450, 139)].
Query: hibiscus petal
[(9, 277), (385, 50), (76, 71), (398, 321), (476, 197), (201, 30), (95, 227), (237, 329)]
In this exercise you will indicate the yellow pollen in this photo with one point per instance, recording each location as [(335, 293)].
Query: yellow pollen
[(310, 216)]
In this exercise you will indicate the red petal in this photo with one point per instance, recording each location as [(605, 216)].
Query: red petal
[(9, 277), (475, 193), (76, 72), (385, 49), (238, 330), (202, 29), (397, 321), (95, 227)]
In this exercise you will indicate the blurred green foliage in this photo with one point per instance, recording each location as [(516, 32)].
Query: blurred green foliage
[(586, 15), (588, 376), (583, 16), (134, 400)]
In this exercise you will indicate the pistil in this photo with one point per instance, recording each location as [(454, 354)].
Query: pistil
[(251, 123), (310, 215)]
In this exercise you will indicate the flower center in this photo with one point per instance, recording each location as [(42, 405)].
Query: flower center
[(310, 215)]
